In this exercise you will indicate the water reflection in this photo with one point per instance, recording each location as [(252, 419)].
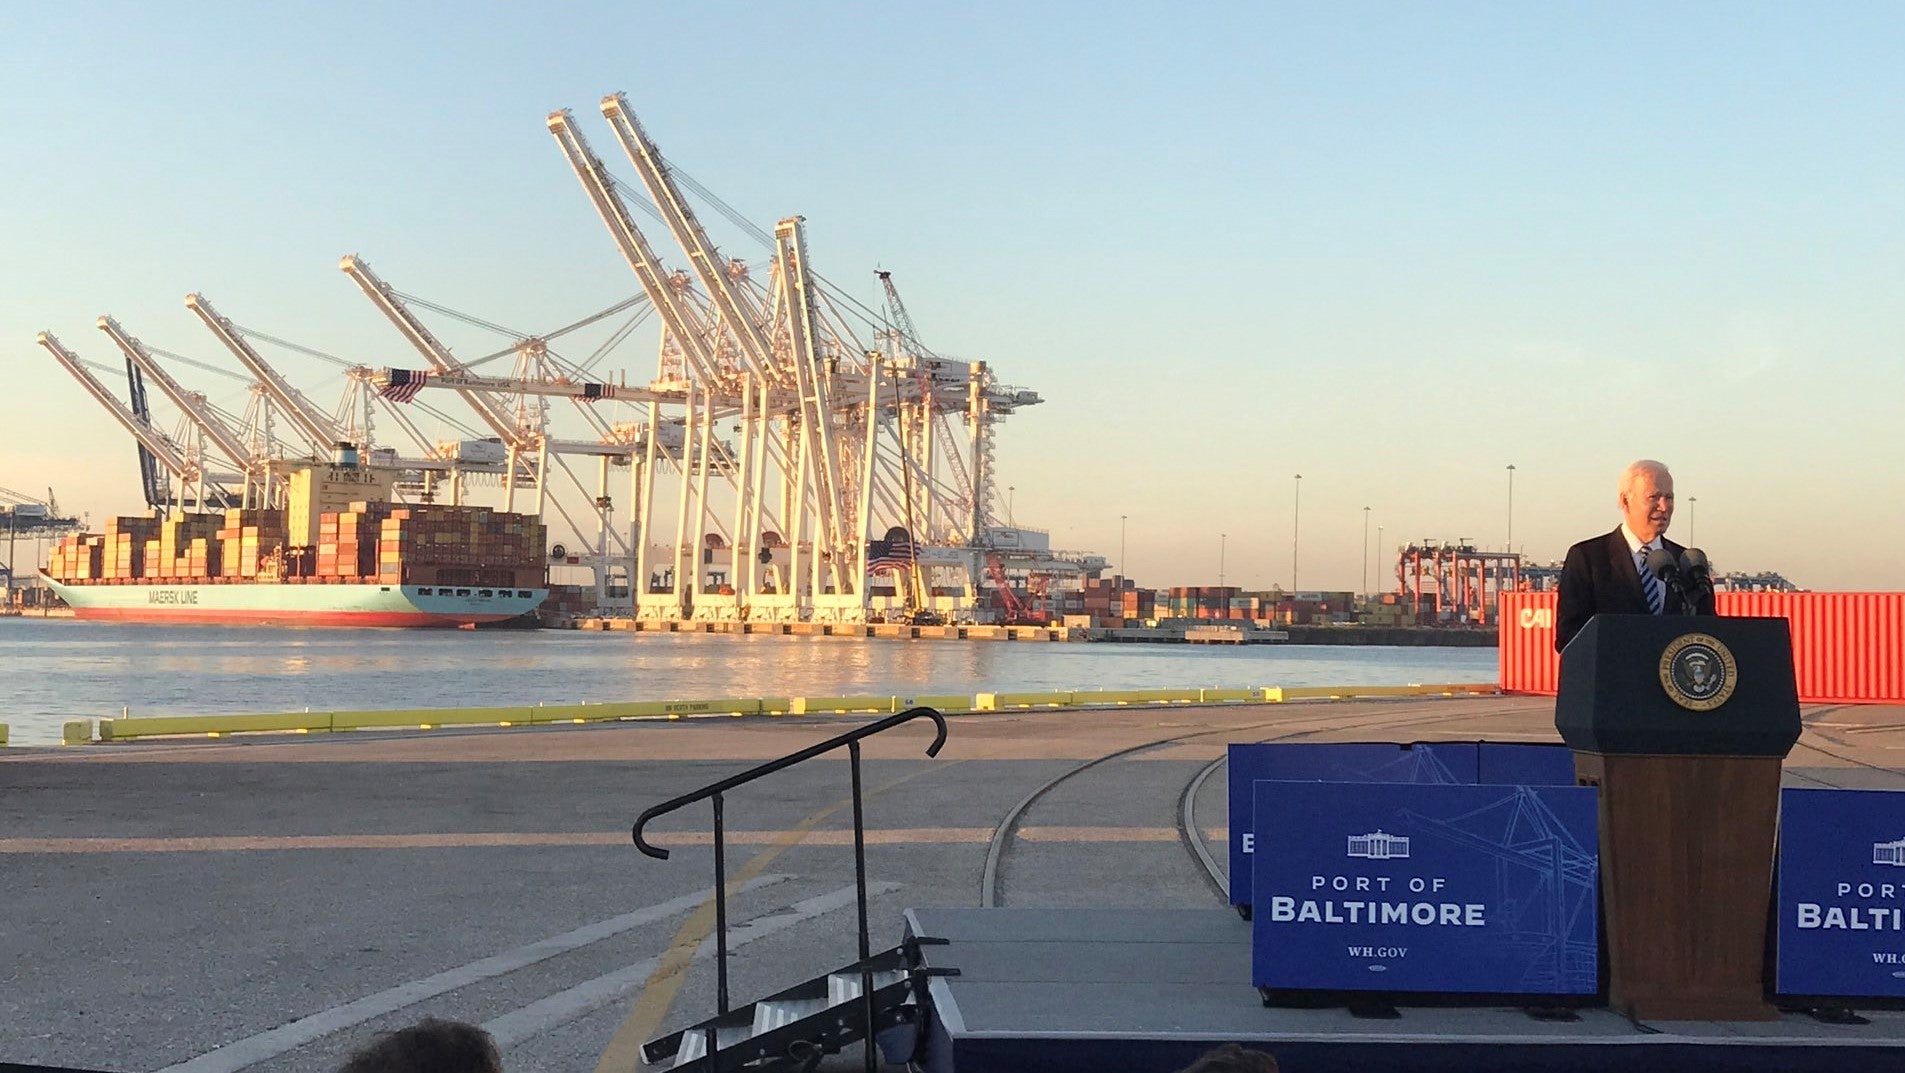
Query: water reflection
[(55, 670)]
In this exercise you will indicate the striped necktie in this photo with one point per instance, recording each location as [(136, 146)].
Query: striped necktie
[(1650, 583)]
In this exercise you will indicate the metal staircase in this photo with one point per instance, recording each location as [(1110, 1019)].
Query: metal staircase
[(796, 1028)]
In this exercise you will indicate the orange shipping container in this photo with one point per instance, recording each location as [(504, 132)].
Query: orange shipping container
[(1848, 647)]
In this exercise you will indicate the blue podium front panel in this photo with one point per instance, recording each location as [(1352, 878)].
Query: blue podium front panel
[(1359, 762), (1433, 889), (1841, 922)]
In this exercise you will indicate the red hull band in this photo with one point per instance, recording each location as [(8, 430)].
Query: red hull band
[(173, 615)]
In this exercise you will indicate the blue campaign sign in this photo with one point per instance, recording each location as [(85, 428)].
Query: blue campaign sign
[(1524, 764), (1841, 921), (1330, 762), (1482, 890)]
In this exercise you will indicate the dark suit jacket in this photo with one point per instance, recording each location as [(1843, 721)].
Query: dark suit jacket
[(1599, 577)]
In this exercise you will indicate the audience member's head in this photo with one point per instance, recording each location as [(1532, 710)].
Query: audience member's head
[(431, 1045), (1231, 1058)]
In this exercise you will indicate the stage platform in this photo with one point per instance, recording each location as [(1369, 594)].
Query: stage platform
[(1148, 990)]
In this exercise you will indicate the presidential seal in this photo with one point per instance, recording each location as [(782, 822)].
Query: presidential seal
[(1697, 670)]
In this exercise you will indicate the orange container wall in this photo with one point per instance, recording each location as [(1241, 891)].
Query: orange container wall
[(1848, 647)]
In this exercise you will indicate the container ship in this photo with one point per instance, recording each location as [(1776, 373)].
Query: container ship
[(371, 563)]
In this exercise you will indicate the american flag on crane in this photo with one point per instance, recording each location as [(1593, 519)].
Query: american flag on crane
[(404, 384), (592, 392), (894, 554)]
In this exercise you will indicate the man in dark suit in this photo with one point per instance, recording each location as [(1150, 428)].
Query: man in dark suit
[(1606, 574)]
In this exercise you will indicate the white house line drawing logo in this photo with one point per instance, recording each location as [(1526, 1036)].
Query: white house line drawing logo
[(1892, 853), (1378, 846)]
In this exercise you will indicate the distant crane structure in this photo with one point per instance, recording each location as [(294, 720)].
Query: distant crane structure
[(22, 515), (157, 489), (837, 441), (1546, 577), (239, 452), (183, 463), (1455, 583), (245, 451), (771, 445)]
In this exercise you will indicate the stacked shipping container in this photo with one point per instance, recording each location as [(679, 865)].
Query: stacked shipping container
[(124, 553), (460, 546), (370, 543), (348, 541), (249, 538)]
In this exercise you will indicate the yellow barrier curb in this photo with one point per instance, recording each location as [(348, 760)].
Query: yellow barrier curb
[(839, 705), (3, 735), (130, 728), (150, 726), (593, 713), (945, 702), (992, 702), (427, 718)]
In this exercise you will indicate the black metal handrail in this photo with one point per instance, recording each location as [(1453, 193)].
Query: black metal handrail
[(851, 739)]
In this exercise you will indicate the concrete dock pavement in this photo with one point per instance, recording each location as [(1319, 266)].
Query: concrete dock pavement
[(269, 904)]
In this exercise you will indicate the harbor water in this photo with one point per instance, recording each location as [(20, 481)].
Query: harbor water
[(52, 670)]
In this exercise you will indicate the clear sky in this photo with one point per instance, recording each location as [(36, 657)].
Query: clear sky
[(1392, 247)]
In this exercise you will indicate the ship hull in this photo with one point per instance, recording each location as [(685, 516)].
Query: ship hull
[(296, 604)]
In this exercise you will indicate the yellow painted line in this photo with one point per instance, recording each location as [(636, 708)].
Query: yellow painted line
[(1110, 834), (1099, 834), (891, 836), (233, 843), (658, 992)]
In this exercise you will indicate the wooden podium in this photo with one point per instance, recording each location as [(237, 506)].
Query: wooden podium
[(1682, 723)]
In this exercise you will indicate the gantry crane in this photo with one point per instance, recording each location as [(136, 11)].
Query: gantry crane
[(198, 410), (522, 439), (845, 436), (184, 465), (316, 428), (704, 374), (970, 485), (816, 440)]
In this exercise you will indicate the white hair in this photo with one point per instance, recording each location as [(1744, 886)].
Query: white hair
[(1635, 469)]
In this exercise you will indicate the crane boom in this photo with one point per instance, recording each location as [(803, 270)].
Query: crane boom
[(168, 453), (467, 381), (192, 403), (319, 430), (438, 355), (569, 389), (680, 219), (809, 378), (633, 244)]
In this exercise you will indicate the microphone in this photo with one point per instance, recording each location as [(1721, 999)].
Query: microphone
[(1666, 566), (1698, 574)]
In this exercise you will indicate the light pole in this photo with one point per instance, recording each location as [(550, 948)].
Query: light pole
[(1511, 506), (1223, 540), (1691, 500), (1365, 553), (1121, 570), (1009, 520), (1296, 529)]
